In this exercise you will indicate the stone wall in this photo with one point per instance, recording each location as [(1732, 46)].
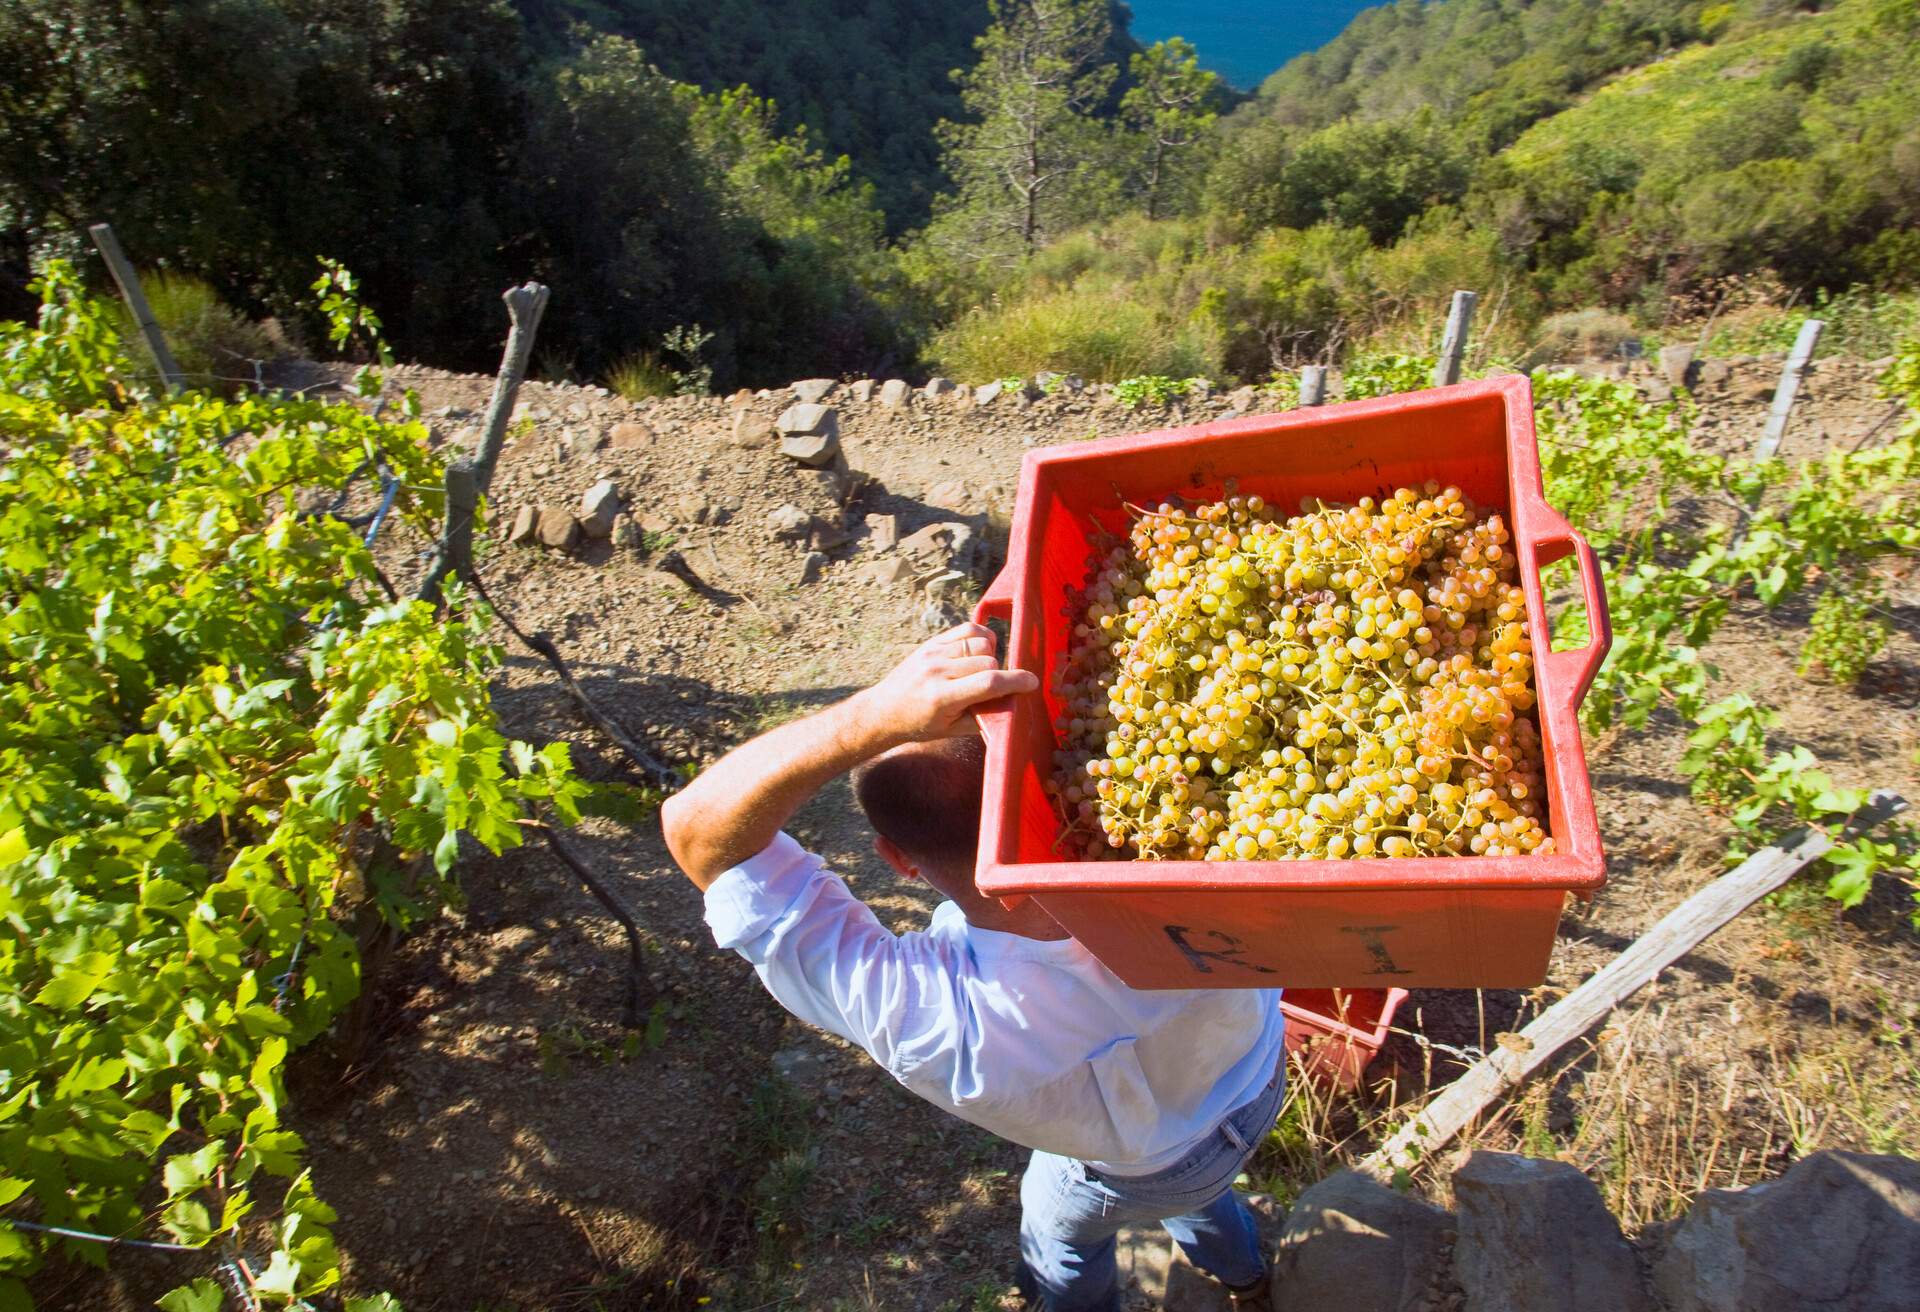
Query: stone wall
[(1838, 1232)]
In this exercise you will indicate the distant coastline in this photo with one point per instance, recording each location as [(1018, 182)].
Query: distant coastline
[(1245, 40)]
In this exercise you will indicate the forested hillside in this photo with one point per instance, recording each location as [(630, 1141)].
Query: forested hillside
[(737, 192), (867, 78), (1600, 171)]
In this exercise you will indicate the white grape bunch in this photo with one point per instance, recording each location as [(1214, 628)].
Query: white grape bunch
[(1351, 681)]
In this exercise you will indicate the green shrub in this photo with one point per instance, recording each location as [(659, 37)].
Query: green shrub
[(1103, 337), (1151, 389), (1385, 375), (1860, 322), (214, 345), (641, 376)]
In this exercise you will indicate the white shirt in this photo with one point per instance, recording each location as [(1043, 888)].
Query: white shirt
[(1036, 1041)]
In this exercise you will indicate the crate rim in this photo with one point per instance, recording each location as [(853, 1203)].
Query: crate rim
[(1575, 873)]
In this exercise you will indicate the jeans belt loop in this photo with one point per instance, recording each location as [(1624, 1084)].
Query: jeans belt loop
[(1234, 1136)]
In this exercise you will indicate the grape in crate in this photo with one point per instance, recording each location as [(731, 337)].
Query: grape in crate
[(1351, 680)]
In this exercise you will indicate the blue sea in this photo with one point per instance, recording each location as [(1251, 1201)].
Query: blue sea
[(1244, 40)]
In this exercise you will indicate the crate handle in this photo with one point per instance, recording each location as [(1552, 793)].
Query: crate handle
[(996, 603), (996, 723), (1581, 664)]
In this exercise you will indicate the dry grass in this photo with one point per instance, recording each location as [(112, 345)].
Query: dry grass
[(1655, 1107)]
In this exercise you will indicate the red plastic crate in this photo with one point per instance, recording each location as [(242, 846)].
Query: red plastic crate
[(1333, 1035), (1448, 922)]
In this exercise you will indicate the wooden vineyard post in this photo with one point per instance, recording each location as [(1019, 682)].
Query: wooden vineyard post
[(1789, 388), (1679, 932), (1313, 385), (1453, 346), (469, 479), (455, 556), (129, 283), (525, 305)]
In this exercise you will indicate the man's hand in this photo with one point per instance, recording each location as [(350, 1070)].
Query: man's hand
[(935, 690), (734, 808)]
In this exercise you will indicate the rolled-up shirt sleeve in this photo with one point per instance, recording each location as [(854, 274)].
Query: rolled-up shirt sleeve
[(825, 957)]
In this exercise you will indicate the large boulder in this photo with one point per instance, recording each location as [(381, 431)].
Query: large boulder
[(1839, 1232), (1353, 1244), (1535, 1235), (809, 433)]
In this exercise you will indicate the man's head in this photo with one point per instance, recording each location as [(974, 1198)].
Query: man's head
[(923, 800)]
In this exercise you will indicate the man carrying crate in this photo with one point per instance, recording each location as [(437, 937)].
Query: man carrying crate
[(1139, 1106)]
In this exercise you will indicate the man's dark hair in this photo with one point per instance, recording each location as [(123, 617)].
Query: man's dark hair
[(926, 800)]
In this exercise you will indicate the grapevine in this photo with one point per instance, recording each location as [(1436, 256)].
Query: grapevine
[(1353, 680), (1766, 530), (218, 736)]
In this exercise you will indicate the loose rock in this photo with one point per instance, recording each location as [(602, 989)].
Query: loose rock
[(809, 433), (811, 566), (863, 389), (599, 507), (883, 531), (629, 436), (937, 388), (1356, 1245), (558, 528), (525, 521), (1840, 1230), (751, 430), (1676, 364), (1534, 1234), (811, 390), (887, 571), (987, 393), (789, 523), (895, 394), (577, 443), (948, 545)]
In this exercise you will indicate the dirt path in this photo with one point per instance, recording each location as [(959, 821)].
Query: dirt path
[(494, 1140)]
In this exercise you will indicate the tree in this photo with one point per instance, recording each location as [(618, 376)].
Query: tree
[(1035, 160), (1171, 107)]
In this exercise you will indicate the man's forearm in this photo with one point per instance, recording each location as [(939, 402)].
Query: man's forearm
[(737, 806)]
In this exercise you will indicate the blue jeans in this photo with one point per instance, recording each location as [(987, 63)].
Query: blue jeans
[(1070, 1214)]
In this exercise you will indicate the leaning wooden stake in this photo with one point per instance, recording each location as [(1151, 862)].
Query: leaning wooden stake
[(129, 283), (1453, 346), (525, 305), (1789, 388), (1678, 933), (1313, 385)]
